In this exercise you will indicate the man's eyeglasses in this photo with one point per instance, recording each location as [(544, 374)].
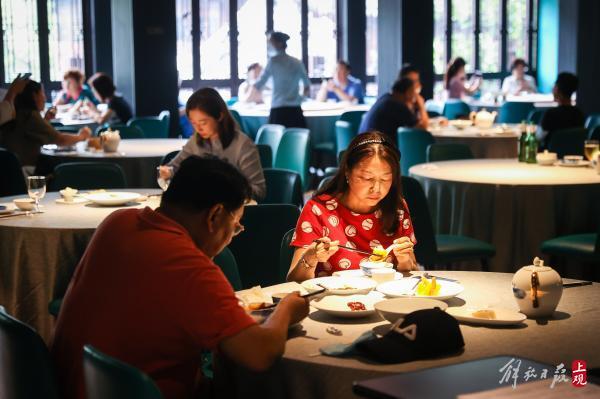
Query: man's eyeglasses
[(238, 226)]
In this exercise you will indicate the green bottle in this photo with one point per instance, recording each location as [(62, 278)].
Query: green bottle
[(531, 148), (522, 143)]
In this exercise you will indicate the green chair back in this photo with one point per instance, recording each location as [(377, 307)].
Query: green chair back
[(567, 141), (454, 109), (12, 180), (67, 129), (324, 181), (283, 187), (240, 121), (514, 111), (257, 248), (270, 134), (535, 116), (594, 133), (448, 152), (354, 118), (153, 127), (88, 176), (26, 370), (126, 132), (169, 157), (226, 261), (286, 253), (592, 121), (343, 136), (413, 147), (265, 153), (293, 152), (107, 377)]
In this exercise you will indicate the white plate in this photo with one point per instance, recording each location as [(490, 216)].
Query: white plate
[(340, 285), (402, 288), (360, 273), (112, 197), (337, 305), (503, 316), (76, 200), (573, 165), (393, 309)]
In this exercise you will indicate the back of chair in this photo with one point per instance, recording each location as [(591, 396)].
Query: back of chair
[(106, 377), (535, 116), (567, 141), (88, 176), (343, 136), (514, 111), (238, 118), (265, 154), (354, 118), (286, 253), (283, 187), (126, 132), (293, 152), (413, 147), (454, 109), (12, 180), (592, 121), (426, 249), (26, 370), (270, 134), (594, 133), (257, 248), (226, 261), (448, 152), (153, 127), (169, 157)]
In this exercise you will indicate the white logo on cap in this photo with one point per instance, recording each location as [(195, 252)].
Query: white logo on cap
[(410, 331)]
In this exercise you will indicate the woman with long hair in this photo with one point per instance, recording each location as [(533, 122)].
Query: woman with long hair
[(360, 207), (455, 80)]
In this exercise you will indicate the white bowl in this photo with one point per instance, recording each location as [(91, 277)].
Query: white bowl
[(572, 159), (394, 309), (337, 305), (68, 193), (460, 123), (24, 204), (366, 266), (546, 158)]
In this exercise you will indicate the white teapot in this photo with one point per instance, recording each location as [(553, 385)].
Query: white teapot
[(483, 118), (537, 289)]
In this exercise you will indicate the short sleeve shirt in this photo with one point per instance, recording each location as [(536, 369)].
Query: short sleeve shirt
[(386, 116), (325, 216), (353, 88), (121, 108)]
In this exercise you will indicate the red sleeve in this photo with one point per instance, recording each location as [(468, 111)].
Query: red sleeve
[(309, 226)]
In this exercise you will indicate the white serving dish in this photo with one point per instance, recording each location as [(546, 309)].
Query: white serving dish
[(503, 316), (337, 305), (340, 285), (111, 198), (396, 308), (403, 288)]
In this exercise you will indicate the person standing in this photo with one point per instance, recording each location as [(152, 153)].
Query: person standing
[(286, 72)]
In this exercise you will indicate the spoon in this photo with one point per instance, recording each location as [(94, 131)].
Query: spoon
[(387, 251)]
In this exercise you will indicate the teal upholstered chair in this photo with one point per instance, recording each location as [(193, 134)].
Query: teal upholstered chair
[(283, 187), (567, 141), (454, 109), (448, 152), (324, 181), (67, 128), (12, 180), (354, 118), (584, 247), (514, 111), (26, 370), (594, 133), (88, 176), (265, 153), (240, 121), (226, 261), (293, 152), (153, 127), (592, 121), (286, 253), (343, 136), (107, 377), (535, 116), (126, 132), (413, 145), (270, 134), (440, 249)]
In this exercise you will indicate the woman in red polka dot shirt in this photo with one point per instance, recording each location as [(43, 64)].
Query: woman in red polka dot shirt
[(361, 207)]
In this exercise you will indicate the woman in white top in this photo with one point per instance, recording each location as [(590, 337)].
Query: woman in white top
[(518, 83)]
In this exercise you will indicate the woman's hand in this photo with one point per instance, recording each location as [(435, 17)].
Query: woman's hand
[(50, 114), (84, 133), (404, 253), (321, 251)]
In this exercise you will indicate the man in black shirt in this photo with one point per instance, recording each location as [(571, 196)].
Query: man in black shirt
[(565, 116), (393, 110)]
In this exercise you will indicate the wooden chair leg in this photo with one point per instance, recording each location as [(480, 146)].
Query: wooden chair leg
[(485, 266)]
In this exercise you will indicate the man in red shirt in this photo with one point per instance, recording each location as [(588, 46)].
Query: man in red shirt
[(147, 292)]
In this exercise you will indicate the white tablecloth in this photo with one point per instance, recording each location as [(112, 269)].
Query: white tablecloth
[(484, 143)]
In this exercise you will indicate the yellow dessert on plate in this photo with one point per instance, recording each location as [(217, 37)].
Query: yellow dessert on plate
[(428, 288), (378, 255)]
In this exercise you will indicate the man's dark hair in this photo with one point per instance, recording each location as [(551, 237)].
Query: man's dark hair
[(202, 182), (252, 66), (103, 84), (345, 64), (567, 84), (401, 86), (406, 69), (517, 62)]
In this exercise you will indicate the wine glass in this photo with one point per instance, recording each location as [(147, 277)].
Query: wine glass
[(36, 188), (163, 176), (591, 149)]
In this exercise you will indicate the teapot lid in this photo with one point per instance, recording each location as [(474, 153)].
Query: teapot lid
[(538, 266)]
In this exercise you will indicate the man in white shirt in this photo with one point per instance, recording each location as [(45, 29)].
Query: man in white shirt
[(518, 83)]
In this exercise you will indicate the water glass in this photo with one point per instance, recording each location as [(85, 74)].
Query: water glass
[(591, 149), (36, 188)]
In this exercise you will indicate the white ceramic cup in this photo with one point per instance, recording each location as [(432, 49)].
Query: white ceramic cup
[(382, 275)]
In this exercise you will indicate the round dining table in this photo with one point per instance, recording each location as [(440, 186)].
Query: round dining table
[(39, 252), (138, 158), (304, 372), (514, 206), (494, 142)]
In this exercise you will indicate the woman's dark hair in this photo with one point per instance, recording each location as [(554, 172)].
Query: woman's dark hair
[(407, 69), (365, 146), (402, 85), (25, 100), (453, 67), (202, 182), (210, 102), (103, 84), (74, 74), (517, 62)]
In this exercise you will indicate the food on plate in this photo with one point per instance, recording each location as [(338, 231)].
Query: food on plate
[(356, 306), (378, 255), (427, 287), (485, 314), (256, 306)]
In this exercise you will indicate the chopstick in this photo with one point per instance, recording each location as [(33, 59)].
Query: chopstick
[(576, 284), (360, 251), (272, 305), (20, 213)]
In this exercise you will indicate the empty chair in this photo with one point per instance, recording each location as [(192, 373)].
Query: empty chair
[(441, 248), (226, 261), (26, 370), (126, 132), (592, 121), (448, 152), (343, 136), (286, 253), (106, 377), (293, 152), (535, 116), (257, 249), (354, 118), (454, 109), (594, 133), (270, 134), (12, 180), (413, 145), (153, 127), (238, 118), (88, 176), (283, 187), (514, 111), (567, 141), (265, 153), (169, 157), (581, 247)]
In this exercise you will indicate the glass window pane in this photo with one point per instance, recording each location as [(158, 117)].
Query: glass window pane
[(371, 29), (65, 38), (462, 31), (322, 37), (252, 41), (490, 38), (287, 19), (20, 39), (214, 39), (439, 36), (185, 52), (517, 30)]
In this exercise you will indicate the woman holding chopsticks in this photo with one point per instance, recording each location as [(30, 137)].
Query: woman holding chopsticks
[(359, 209)]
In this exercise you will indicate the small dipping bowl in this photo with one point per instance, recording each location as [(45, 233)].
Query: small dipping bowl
[(367, 266), (24, 204)]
